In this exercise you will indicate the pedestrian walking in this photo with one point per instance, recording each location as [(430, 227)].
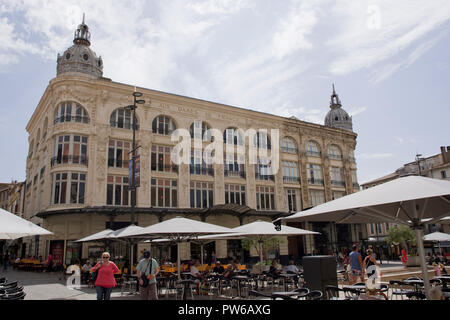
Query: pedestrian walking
[(147, 270), (105, 281), (5, 261), (404, 258), (50, 263), (356, 265)]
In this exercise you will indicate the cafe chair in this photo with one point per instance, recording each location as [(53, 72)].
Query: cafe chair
[(314, 295), (397, 289), (255, 294), (416, 296), (334, 293)]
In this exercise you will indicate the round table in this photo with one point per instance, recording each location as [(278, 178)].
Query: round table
[(286, 276), (239, 280)]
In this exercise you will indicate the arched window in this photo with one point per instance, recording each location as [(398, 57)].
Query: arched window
[(163, 125), (334, 152), (70, 112), (233, 136), (262, 141), (312, 149), (123, 119), (199, 130), (288, 145)]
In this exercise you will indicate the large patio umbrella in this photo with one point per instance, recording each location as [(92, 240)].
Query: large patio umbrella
[(126, 234), (413, 201), (13, 227), (437, 237), (102, 235), (261, 231), (179, 229), (118, 235)]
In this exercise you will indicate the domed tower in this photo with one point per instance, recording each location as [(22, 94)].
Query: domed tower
[(79, 57), (338, 117)]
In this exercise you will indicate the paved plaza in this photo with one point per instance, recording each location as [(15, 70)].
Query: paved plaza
[(52, 286)]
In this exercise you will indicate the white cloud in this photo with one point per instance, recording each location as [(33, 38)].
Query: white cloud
[(376, 156), (402, 23)]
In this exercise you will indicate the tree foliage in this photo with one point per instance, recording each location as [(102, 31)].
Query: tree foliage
[(401, 235), (267, 244)]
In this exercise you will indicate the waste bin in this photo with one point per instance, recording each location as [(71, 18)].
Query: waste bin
[(319, 272)]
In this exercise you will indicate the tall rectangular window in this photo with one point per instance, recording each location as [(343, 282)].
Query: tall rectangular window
[(294, 202), (316, 197), (337, 177), (290, 171), (160, 159), (164, 193), (70, 149), (69, 188), (118, 153), (202, 194), (235, 194), (198, 164), (265, 198), (117, 192), (314, 172)]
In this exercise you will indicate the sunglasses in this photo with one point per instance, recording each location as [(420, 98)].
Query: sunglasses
[(105, 257)]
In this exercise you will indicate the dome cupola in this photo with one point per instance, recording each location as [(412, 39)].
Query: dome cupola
[(338, 117), (79, 57)]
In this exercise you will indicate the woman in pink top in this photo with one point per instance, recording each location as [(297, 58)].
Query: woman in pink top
[(105, 278)]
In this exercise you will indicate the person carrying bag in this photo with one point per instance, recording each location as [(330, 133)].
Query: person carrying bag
[(147, 270)]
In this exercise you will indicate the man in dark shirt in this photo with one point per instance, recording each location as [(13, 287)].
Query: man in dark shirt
[(218, 268)]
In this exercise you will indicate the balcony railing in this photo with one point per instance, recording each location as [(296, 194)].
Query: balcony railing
[(237, 174), (70, 118), (338, 183), (291, 179), (165, 168), (335, 156), (115, 124), (315, 181), (82, 160), (268, 177), (201, 170), (288, 150), (314, 153)]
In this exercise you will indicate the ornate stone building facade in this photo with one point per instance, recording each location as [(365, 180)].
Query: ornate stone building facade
[(80, 138)]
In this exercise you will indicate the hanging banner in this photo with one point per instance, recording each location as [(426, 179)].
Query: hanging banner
[(137, 170)]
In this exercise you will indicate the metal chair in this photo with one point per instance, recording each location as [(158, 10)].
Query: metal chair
[(333, 293), (314, 295), (254, 293), (397, 289)]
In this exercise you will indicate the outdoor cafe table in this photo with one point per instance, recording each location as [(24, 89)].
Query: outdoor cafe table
[(417, 284), (444, 279), (286, 276), (186, 286), (239, 279), (360, 288)]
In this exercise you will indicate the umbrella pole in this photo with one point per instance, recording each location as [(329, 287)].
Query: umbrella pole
[(260, 256), (178, 261), (422, 261), (201, 255)]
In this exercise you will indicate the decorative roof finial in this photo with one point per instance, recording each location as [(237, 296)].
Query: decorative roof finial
[(82, 34), (335, 102)]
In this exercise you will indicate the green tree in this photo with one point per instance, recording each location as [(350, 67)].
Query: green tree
[(401, 235), (267, 243)]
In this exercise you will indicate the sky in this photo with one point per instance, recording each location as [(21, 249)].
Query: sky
[(389, 61)]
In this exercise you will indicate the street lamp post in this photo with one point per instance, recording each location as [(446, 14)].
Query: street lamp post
[(132, 187)]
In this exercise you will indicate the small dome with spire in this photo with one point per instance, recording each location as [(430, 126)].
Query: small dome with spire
[(79, 57), (338, 117)]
